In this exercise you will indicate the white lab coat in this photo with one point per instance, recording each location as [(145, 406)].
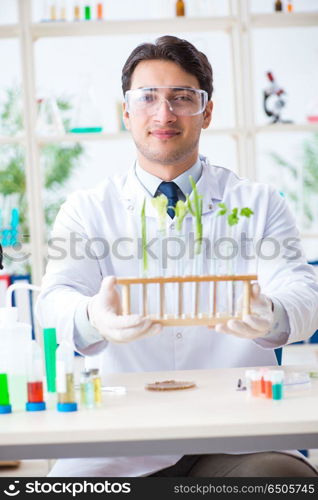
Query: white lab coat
[(112, 211)]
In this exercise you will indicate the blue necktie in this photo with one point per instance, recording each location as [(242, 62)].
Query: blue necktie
[(170, 189)]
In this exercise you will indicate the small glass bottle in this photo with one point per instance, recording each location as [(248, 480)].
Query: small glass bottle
[(180, 8), (65, 377), (87, 11), (35, 378), (97, 386), (99, 11), (277, 379), (290, 6), (52, 10), (278, 5), (77, 11), (87, 390)]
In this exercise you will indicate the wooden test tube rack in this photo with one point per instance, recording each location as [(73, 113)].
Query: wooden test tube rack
[(181, 317)]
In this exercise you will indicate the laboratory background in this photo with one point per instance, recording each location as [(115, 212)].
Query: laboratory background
[(61, 127)]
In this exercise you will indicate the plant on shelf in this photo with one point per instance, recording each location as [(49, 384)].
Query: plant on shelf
[(308, 169), (58, 162)]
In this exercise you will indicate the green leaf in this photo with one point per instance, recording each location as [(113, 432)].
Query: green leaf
[(246, 212), (223, 208)]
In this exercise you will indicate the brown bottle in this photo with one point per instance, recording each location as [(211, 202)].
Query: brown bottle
[(180, 8), (278, 6)]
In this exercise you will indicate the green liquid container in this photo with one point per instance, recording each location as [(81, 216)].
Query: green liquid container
[(50, 347), (4, 390)]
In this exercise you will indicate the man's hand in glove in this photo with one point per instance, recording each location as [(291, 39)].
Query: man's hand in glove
[(104, 312), (254, 325)]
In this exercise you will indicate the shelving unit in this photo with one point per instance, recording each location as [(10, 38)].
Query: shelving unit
[(238, 24)]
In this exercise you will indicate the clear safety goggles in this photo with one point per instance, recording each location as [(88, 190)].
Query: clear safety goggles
[(182, 101)]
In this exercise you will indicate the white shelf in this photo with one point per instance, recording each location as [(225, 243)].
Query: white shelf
[(125, 27), (12, 140), (288, 127), (285, 20), (9, 30)]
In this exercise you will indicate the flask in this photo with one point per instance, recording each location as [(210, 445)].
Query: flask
[(180, 8), (86, 118), (49, 120)]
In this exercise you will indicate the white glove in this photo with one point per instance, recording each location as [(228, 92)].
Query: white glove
[(104, 312), (254, 325)]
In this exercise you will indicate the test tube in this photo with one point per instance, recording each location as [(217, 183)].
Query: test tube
[(99, 11), (65, 378), (256, 385), (87, 390), (35, 378), (97, 385), (77, 11), (87, 11), (277, 379), (268, 385), (5, 406)]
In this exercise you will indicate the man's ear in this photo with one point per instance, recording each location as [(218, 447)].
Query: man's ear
[(126, 118), (207, 115)]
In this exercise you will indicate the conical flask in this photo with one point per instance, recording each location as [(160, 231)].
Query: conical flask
[(86, 117), (49, 121)]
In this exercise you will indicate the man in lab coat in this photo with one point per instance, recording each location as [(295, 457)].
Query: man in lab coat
[(168, 87)]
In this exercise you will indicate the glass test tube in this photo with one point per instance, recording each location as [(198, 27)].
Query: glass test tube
[(65, 377), (87, 12), (277, 378), (97, 385), (87, 390), (77, 11), (35, 378), (99, 11), (5, 406)]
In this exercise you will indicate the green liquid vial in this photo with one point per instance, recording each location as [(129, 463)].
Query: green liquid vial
[(4, 390)]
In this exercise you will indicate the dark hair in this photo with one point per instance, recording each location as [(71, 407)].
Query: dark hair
[(173, 49)]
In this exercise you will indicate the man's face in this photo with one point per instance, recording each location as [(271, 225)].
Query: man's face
[(163, 137)]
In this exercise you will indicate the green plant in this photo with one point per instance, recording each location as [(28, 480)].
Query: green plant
[(309, 169), (234, 214), (195, 208), (58, 161)]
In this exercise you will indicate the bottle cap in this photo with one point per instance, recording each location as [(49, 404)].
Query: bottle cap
[(40, 406), (5, 409), (66, 407)]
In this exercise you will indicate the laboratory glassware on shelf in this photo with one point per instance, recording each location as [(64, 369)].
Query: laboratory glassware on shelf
[(49, 119), (86, 117), (9, 220)]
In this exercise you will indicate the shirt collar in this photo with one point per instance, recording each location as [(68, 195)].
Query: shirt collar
[(151, 182)]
